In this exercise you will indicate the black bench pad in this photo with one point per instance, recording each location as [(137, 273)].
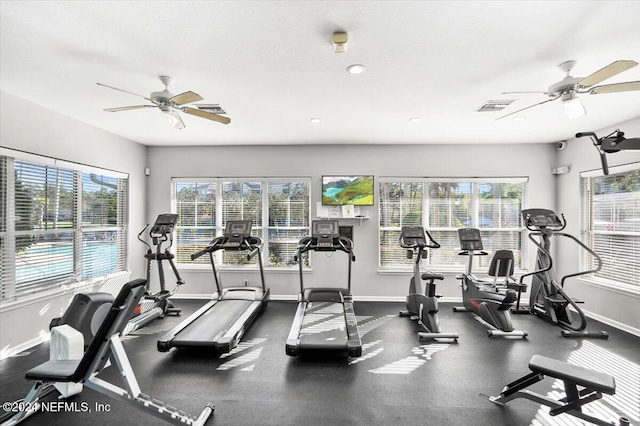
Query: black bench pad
[(60, 370), (581, 376)]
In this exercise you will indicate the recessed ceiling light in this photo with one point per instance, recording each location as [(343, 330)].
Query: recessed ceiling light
[(519, 118), (415, 120), (315, 120), (356, 69)]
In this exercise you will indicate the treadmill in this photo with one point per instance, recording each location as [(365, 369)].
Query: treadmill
[(325, 319), (220, 323)]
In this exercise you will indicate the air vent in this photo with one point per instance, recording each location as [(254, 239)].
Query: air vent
[(491, 106), (212, 108)]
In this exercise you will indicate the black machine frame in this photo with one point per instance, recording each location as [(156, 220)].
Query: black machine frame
[(104, 345), (221, 323), (422, 305), (489, 299), (157, 305), (612, 143), (547, 298), (325, 237)]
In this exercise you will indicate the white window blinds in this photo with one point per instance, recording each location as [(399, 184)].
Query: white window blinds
[(278, 208), (59, 225), (611, 223), (442, 206)]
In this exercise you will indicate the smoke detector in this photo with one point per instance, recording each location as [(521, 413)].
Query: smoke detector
[(339, 42)]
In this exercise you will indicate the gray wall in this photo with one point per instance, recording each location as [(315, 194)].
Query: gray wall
[(32, 128), (532, 160), (622, 307), (29, 127)]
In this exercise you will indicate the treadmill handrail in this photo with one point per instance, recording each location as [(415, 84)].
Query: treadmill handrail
[(210, 248), (310, 245)]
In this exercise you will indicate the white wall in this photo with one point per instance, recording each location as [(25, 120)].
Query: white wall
[(582, 156), (29, 127), (532, 160)]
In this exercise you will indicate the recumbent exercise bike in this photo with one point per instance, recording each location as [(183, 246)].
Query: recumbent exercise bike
[(489, 299)]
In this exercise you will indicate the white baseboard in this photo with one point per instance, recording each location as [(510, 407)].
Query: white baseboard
[(613, 323)]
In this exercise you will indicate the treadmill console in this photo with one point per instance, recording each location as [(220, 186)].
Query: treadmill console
[(325, 232), (470, 239), (540, 218), (236, 232), (413, 236)]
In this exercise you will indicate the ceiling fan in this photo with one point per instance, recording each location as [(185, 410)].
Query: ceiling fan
[(567, 88), (170, 104)]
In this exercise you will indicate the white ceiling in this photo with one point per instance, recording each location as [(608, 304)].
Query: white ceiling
[(270, 65)]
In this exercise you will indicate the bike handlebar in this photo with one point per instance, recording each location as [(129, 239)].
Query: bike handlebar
[(432, 244)]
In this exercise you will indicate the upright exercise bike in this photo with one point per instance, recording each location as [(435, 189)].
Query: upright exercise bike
[(548, 299), (157, 305), (489, 299), (422, 306)]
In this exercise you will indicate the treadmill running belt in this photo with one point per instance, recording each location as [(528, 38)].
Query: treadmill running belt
[(212, 325), (324, 327)]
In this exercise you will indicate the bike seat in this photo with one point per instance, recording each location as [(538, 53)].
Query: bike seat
[(432, 276)]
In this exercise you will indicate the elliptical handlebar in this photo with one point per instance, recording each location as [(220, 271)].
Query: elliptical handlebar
[(542, 250), (143, 241), (591, 252)]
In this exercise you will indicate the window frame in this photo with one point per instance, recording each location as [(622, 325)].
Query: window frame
[(262, 229), (474, 181), (84, 267), (587, 231)]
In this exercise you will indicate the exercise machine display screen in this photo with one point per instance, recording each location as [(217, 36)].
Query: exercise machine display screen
[(325, 231), (413, 235), (236, 231), (164, 224), (470, 239), (541, 218)]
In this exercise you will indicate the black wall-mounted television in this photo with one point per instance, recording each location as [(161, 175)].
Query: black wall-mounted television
[(345, 190)]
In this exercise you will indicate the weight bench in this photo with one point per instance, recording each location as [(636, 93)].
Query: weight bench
[(593, 384), (105, 344)]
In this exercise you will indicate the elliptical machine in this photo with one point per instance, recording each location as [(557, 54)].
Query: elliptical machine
[(488, 299), (157, 305), (547, 298), (422, 306)]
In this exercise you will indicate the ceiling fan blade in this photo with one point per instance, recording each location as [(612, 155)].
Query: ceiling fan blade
[(185, 98), (125, 91), (530, 106), (607, 72), (174, 119), (616, 87), (207, 115), (126, 108), (509, 93)]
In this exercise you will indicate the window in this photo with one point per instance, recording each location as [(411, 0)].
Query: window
[(611, 223), (442, 206), (62, 223), (278, 209)]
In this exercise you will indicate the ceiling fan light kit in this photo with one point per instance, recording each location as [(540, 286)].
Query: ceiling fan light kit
[(567, 88), (573, 107), (170, 104)]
